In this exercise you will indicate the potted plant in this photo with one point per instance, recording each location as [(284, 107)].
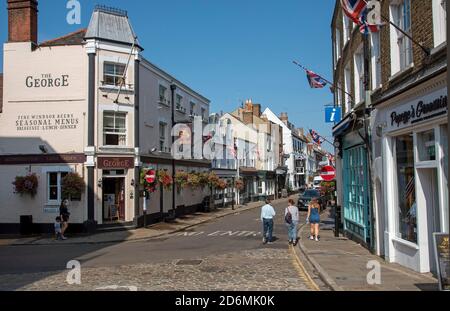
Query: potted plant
[(26, 184), (73, 186)]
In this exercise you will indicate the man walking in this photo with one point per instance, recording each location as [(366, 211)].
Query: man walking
[(267, 214)]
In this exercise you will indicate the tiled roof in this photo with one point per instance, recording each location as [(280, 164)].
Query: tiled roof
[(1, 92), (74, 38)]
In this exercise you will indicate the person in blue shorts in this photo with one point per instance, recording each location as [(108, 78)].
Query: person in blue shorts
[(314, 218)]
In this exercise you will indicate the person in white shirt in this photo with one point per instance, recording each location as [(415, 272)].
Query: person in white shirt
[(267, 215), (291, 217)]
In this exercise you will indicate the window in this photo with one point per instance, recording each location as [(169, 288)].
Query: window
[(178, 102), (113, 73), (203, 114), (339, 95), (376, 60), (338, 45), (114, 128), (359, 77), (401, 45), (406, 189), (347, 76), (162, 136), (54, 186), (162, 94), (347, 28), (260, 186), (439, 21), (192, 111)]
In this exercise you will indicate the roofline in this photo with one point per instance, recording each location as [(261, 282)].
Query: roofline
[(65, 36), (114, 41), (174, 80)]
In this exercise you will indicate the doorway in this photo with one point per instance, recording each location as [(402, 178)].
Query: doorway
[(428, 178), (113, 199)]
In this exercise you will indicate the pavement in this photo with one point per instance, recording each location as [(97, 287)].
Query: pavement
[(343, 264), (152, 231)]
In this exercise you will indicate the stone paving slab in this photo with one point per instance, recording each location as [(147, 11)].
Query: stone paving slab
[(342, 263), (156, 230)]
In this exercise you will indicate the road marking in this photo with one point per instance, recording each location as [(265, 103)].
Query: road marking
[(302, 271)]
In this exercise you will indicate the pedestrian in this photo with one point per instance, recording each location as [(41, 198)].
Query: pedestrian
[(267, 215), (291, 218), (57, 226), (64, 214), (314, 218)]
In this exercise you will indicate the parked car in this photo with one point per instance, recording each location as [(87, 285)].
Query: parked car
[(307, 196)]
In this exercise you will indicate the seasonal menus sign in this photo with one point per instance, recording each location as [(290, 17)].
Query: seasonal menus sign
[(442, 254), (417, 111), (47, 122)]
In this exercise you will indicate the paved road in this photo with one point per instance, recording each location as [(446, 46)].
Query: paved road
[(226, 254)]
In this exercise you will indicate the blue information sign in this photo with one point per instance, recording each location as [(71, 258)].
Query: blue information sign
[(333, 114)]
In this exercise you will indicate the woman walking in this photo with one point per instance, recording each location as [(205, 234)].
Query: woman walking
[(291, 217), (64, 214), (314, 218)]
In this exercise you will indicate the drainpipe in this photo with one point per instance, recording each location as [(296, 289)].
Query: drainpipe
[(173, 88), (137, 163)]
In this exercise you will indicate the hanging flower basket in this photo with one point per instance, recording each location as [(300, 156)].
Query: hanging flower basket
[(239, 184), (194, 180), (165, 179), (26, 184), (222, 184), (148, 180), (181, 179), (73, 186), (203, 179)]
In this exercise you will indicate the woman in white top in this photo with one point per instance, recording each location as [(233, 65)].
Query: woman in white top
[(292, 218)]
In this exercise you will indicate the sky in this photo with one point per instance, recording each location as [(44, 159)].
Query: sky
[(227, 50)]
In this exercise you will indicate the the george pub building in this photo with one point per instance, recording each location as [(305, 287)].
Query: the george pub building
[(89, 103)]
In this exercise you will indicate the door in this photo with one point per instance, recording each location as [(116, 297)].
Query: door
[(121, 197), (430, 201)]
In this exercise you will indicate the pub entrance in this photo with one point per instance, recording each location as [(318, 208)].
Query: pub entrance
[(113, 196)]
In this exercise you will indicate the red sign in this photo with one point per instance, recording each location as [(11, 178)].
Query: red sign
[(150, 176), (115, 163), (328, 173)]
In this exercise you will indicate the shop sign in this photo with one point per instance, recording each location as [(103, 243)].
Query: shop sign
[(47, 122), (431, 106), (47, 81), (442, 255), (115, 163)]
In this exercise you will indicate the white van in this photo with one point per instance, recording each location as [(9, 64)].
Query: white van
[(317, 182)]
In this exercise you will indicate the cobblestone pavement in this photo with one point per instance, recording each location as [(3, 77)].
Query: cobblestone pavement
[(271, 268)]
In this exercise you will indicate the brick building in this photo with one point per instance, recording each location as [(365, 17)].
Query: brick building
[(407, 121)]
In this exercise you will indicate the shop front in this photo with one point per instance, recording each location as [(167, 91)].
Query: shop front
[(414, 137), (115, 175)]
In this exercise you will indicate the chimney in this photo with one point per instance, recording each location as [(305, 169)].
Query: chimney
[(257, 110), (247, 117), (284, 117), (22, 21)]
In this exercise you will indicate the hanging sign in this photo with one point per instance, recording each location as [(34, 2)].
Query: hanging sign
[(333, 114)]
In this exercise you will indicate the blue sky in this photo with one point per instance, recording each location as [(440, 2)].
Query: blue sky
[(228, 50)]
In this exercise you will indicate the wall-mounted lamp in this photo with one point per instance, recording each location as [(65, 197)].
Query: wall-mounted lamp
[(100, 183), (132, 182)]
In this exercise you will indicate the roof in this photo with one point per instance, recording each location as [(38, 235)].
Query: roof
[(1, 92), (111, 24), (73, 38)]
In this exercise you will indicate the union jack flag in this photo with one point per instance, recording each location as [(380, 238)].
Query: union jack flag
[(354, 9), (315, 136), (315, 81)]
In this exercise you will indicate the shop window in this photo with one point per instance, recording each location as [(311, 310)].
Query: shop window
[(54, 187), (113, 74), (406, 189), (426, 145)]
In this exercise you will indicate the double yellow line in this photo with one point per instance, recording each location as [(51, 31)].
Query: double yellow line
[(302, 271)]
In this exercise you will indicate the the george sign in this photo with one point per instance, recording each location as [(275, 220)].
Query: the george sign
[(442, 255), (47, 81), (115, 163), (420, 110), (328, 173), (333, 114)]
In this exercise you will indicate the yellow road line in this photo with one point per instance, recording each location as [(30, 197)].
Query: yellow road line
[(302, 271)]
